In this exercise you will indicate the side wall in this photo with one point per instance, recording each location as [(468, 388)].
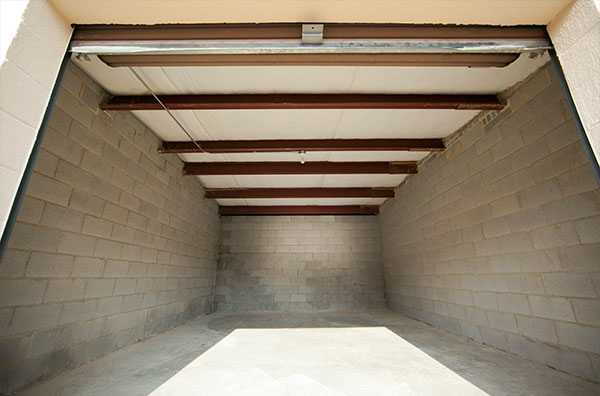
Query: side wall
[(112, 243), (498, 238), (299, 263)]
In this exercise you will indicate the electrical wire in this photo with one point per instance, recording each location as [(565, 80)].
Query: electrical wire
[(165, 107)]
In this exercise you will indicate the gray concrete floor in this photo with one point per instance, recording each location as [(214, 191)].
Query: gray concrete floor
[(306, 353)]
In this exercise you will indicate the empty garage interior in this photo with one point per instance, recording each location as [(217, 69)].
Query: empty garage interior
[(286, 216)]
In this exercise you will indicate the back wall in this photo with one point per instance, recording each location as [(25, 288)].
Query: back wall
[(299, 263)]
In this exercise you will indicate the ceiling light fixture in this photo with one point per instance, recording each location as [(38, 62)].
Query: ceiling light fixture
[(302, 156)]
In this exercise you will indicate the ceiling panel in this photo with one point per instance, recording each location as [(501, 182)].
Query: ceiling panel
[(362, 180), (260, 79), (340, 156), (311, 156), (243, 124), (288, 181), (312, 79), (401, 123), (269, 124), (232, 202), (255, 157), (226, 181), (279, 180), (444, 80), (306, 124), (167, 129)]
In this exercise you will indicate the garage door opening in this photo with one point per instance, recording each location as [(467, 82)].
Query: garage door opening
[(422, 191)]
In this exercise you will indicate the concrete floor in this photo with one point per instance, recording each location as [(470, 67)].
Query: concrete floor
[(305, 353)]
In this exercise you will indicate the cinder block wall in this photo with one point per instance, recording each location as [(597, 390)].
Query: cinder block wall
[(498, 238), (112, 244), (299, 263)]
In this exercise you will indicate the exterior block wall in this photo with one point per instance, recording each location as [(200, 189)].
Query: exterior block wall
[(112, 243), (498, 238), (299, 263), (575, 34), (28, 71)]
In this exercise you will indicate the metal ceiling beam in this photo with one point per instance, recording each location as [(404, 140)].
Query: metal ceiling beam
[(296, 168), (298, 210), (273, 146), (304, 101), (317, 192)]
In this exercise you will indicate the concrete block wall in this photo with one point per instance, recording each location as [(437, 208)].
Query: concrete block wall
[(498, 238), (299, 263), (112, 243)]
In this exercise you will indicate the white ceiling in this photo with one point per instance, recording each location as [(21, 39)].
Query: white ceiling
[(288, 181), (308, 124), (305, 124), (311, 156), (312, 79)]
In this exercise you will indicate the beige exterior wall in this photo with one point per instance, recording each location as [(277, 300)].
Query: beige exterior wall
[(498, 238), (491, 12), (112, 243), (27, 75), (575, 33)]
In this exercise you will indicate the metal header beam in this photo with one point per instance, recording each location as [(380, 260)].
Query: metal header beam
[(281, 44), (290, 31), (225, 39)]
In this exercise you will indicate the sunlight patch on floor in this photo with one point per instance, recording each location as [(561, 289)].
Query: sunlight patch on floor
[(316, 361)]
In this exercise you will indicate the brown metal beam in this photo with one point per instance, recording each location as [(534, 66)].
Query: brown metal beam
[(432, 60), (272, 146), (280, 31), (298, 210), (296, 168), (304, 101), (339, 192)]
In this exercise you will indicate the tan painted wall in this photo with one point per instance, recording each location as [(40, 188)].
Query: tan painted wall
[(27, 76), (354, 11), (575, 33)]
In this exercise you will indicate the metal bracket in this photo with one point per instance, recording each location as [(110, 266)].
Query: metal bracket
[(312, 34)]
